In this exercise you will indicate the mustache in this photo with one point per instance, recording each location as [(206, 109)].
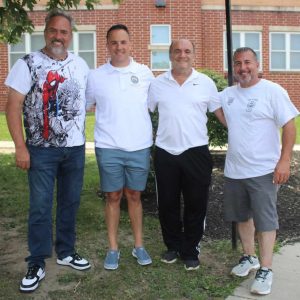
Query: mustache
[(57, 40)]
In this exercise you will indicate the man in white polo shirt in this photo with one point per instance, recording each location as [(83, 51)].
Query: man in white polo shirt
[(183, 164), (123, 137)]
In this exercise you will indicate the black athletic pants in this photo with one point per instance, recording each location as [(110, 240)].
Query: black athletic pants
[(189, 175)]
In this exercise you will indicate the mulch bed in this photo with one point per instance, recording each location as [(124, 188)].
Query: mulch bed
[(288, 203)]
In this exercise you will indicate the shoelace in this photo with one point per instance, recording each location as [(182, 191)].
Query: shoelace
[(244, 259), (32, 272), (76, 256), (262, 274)]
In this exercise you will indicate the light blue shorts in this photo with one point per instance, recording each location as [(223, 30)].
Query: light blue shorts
[(119, 169)]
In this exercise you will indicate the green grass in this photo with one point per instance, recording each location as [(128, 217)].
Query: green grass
[(130, 281), (90, 121)]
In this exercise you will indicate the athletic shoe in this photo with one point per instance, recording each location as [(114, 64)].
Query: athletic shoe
[(191, 265), (31, 280), (169, 257), (263, 282), (142, 256), (111, 261), (75, 261), (247, 263)]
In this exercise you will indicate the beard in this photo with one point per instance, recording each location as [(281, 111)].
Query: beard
[(57, 50)]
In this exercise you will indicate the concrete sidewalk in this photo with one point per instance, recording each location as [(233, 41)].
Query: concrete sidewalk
[(8, 147), (286, 279)]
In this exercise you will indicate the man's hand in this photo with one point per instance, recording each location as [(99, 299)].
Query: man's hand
[(281, 172), (22, 158)]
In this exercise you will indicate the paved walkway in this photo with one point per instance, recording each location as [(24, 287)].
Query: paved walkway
[(8, 147), (286, 279), (286, 263)]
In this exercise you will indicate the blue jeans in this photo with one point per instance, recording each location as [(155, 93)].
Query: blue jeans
[(66, 166)]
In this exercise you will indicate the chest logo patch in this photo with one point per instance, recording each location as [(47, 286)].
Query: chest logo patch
[(251, 104), (134, 79)]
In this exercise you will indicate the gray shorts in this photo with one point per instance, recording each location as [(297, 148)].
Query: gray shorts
[(119, 169), (252, 198)]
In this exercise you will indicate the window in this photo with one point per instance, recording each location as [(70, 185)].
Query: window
[(284, 51), (244, 39), (160, 41), (83, 44)]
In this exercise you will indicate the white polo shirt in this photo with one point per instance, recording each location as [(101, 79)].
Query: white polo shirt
[(254, 116), (182, 110), (120, 95)]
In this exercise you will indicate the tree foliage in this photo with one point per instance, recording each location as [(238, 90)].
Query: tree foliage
[(14, 19)]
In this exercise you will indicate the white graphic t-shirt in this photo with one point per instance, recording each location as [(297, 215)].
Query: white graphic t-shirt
[(54, 106)]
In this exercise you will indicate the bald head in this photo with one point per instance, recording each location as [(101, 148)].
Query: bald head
[(175, 44)]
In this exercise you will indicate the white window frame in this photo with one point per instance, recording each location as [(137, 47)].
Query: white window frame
[(40, 31), (287, 51), (242, 44), (159, 46)]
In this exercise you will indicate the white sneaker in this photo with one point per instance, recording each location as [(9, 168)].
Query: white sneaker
[(32, 278), (263, 282), (246, 264), (75, 261)]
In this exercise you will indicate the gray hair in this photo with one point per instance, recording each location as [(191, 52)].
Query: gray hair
[(244, 49), (57, 12)]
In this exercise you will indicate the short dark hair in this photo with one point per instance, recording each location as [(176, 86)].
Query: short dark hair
[(57, 12), (244, 49), (116, 27)]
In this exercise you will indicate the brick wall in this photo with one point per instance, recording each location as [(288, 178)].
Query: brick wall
[(187, 20)]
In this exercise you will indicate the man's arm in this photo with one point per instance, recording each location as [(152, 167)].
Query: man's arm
[(282, 169), (14, 121), (220, 115)]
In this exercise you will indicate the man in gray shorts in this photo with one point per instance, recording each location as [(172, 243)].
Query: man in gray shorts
[(255, 164), (123, 137)]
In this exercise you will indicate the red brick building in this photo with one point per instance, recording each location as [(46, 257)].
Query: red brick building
[(271, 27)]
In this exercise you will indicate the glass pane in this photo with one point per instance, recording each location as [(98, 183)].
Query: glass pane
[(160, 35), (37, 42), (160, 60), (15, 57), (89, 58), (295, 41), (71, 46), (278, 60), (236, 43), (258, 55), (86, 41), (20, 47), (252, 40), (278, 41), (295, 61)]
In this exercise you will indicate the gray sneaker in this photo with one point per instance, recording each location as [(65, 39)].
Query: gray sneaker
[(111, 261), (246, 264), (263, 282)]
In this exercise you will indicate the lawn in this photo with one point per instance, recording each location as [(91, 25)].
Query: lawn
[(90, 120), (130, 281)]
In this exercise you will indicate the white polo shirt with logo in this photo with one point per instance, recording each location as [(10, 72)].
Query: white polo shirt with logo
[(182, 110), (254, 116), (122, 117)]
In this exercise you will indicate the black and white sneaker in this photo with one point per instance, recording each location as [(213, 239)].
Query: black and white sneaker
[(31, 280), (75, 261)]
